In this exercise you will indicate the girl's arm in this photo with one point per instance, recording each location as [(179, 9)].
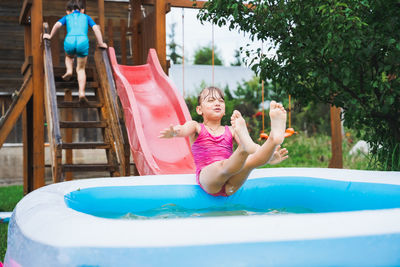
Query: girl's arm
[(99, 37), (190, 128), (53, 31)]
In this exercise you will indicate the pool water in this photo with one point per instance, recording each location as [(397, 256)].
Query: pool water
[(170, 211)]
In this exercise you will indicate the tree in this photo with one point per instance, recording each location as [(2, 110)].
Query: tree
[(203, 56), (238, 59), (344, 53), (173, 55)]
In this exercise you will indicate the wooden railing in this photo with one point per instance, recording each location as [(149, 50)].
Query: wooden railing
[(111, 103), (53, 123)]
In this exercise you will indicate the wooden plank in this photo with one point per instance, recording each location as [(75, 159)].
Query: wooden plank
[(100, 4), (336, 139), (50, 100), (124, 58), (110, 97), (27, 63), (76, 104), (74, 85), (26, 8), (88, 167), (87, 145), (38, 95), (59, 71), (106, 112), (15, 110), (136, 15), (178, 3), (110, 33), (27, 139), (83, 124), (160, 45), (68, 135)]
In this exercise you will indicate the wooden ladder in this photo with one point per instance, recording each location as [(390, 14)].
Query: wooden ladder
[(106, 123), (71, 104)]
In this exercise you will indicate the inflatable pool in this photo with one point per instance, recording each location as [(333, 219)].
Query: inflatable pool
[(335, 218)]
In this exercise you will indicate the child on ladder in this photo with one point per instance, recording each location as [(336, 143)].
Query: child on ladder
[(220, 171), (76, 42)]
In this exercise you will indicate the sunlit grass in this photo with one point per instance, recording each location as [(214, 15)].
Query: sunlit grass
[(9, 197)]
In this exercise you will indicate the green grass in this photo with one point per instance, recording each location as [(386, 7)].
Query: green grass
[(316, 152), (9, 197)]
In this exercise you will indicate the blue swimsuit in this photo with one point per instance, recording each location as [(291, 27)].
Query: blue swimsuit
[(77, 42)]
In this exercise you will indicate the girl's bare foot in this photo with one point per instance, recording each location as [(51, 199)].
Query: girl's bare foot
[(67, 76), (239, 125), (278, 122)]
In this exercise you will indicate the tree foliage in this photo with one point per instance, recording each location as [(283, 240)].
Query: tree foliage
[(203, 56), (341, 52), (173, 47), (238, 59)]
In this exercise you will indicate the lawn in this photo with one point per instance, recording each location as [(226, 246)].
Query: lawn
[(316, 152), (303, 152), (9, 197)]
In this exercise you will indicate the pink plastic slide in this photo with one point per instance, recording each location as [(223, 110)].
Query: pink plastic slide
[(151, 103)]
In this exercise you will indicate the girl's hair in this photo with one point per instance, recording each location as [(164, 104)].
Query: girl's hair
[(74, 5), (211, 90)]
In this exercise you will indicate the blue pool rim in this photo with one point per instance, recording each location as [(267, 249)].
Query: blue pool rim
[(356, 237)]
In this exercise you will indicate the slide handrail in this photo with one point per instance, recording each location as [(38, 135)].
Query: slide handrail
[(107, 85), (53, 122)]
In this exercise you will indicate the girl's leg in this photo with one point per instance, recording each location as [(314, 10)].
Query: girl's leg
[(80, 71), (69, 63), (215, 175), (264, 153)]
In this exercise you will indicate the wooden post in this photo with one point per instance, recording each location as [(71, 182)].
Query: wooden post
[(27, 137), (38, 95), (110, 33), (68, 113), (101, 15), (160, 45), (136, 36), (123, 42), (336, 129)]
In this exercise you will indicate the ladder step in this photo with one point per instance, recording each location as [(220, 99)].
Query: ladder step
[(83, 124), (88, 145), (74, 85), (76, 104), (88, 167), (60, 71)]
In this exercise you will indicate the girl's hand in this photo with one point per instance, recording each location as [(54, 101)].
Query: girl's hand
[(279, 156), (170, 132), (102, 45), (46, 36)]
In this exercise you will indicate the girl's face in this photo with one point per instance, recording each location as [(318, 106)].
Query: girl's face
[(212, 105)]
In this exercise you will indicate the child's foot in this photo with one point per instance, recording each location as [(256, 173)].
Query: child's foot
[(278, 122), (239, 125), (83, 100), (67, 76)]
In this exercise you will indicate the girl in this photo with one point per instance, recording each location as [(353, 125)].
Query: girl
[(219, 170), (76, 42)]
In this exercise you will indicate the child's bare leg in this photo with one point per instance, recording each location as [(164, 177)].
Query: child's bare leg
[(239, 125), (69, 64), (215, 175), (265, 152), (81, 73)]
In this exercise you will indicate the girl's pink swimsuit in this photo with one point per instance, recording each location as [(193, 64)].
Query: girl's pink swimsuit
[(208, 149)]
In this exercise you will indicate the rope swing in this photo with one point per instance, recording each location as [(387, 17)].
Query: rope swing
[(289, 131), (183, 52)]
